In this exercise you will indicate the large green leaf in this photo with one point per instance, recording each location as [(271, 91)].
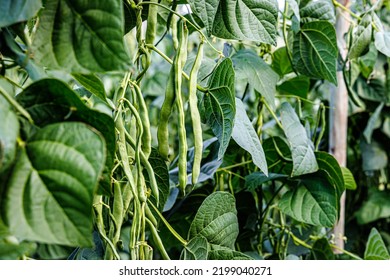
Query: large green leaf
[(375, 247), (81, 36), (313, 201), (317, 10), (196, 249), (13, 11), (361, 37), (246, 137), (376, 207), (382, 42), (302, 150), (315, 51), (216, 220), (9, 131), (50, 101), (239, 20), (219, 104), (48, 197), (249, 66)]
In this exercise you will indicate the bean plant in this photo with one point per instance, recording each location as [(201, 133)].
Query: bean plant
[(167, 129)]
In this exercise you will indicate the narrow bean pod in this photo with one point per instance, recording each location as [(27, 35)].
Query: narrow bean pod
[(195, 116), (152, 22), (165, 113), (143, 113), (180, 59)]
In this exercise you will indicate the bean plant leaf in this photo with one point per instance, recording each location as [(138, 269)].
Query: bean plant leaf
[(219, 104), (239, 20), (330, 167), (375, 247), (372, 123), (313, 201), (280, 62), (298, 86), (361, 37), (49, 195), (225, 253), (81, 36), (293, 5), (9, 130), (315, 51), (248, 65), (196, 249), (376, 207), (93, 84), (349, 180), (302, 150), (14, 11), (317, 10), (382, 42), (246, 137), (51, 101), (216, 220)]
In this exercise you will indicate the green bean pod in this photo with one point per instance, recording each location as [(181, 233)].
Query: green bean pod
[(195, 116), (179, 61), (152, 22), (143, 113), (165, 113)]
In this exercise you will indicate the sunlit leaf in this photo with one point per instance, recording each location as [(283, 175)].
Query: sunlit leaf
[(302, 150), (315, 51), (81, 36), (49, 195)]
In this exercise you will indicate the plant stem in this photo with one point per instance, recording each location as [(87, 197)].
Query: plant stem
[(163, 55), (17, 106), (234, 165), (220, 53), (272, 113), (171, 229), (285, 33), (345, 9)]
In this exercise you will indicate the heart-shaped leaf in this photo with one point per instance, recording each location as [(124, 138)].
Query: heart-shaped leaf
[(81, 36), (239, 20), (315, 51), (313, 201), (219, 104), (48, 197), (246, 137), (302, 150), (376, 248), (216, 220)]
